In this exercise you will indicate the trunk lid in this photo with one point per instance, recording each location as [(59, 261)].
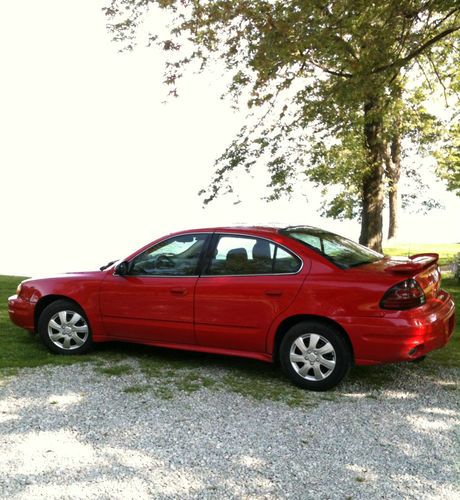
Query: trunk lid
[(423, 267), (413, 264)]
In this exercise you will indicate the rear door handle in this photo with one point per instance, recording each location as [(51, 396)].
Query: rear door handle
[(274, 293), (178, 291)]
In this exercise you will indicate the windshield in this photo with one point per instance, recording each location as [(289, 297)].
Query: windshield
[(339, 250)]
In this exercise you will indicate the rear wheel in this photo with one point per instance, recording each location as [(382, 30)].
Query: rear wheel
[(314, 355), (64, 328)]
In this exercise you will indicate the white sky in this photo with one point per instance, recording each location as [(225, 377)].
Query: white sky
[(93, 164)]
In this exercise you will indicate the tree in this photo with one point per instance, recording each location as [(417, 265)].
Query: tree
[(448, 155), (318, 78), (411, 131), (420, 131)]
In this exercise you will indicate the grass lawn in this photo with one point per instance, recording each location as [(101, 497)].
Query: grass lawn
[(167, 371), (446, 251)]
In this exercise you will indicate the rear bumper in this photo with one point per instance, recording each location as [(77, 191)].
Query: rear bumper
[(402, 335), (21, 312)]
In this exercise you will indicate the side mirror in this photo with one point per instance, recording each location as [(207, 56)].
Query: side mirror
[(122, 268)]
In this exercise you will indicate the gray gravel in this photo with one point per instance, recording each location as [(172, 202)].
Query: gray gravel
[(71, 432)]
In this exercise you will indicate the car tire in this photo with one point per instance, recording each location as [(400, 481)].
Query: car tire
[(314, 355), (64, 328)]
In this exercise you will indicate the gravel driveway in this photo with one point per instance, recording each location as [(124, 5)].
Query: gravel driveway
[(72, 432)]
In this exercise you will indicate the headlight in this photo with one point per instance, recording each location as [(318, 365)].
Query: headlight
[(18, 289)]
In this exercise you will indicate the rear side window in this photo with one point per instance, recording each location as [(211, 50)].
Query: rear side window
[(285, 262), (240, 255)]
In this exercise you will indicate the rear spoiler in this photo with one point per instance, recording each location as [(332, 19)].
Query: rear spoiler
[(414, 264)]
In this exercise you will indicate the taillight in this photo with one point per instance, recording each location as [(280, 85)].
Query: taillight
[(404, 295)]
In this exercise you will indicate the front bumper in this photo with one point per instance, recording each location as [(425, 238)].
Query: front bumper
[(21, 312), (402, 335)]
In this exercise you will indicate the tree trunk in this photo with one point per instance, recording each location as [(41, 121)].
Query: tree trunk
[(372, 184), (393, 162), (393, 201), (394, 174)]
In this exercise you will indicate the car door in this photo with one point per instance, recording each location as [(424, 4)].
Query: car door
[(154, 301), (247, 282)]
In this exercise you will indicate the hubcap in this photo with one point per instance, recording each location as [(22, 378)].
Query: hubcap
[(68, 330), (313, 357)]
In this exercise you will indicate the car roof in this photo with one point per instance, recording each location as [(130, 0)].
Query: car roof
[(262, 231), (272, 229), (244, 229)]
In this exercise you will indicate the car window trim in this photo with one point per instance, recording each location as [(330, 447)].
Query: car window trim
[(206, 261), (215, 240), (197, 268)]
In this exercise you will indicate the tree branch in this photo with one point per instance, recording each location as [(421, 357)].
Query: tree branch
[(438, 76), (449, 14), (346, 46), (401, 61), (426, 76), (341, 74)]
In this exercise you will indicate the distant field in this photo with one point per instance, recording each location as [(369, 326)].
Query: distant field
[(446, 251)]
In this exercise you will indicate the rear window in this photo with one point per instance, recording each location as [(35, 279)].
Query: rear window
[(340, 251)]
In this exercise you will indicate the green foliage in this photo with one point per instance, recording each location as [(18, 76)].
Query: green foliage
[(449, 158), (305, 71)]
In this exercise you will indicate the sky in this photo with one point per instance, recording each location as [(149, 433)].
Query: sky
[(94, 163)]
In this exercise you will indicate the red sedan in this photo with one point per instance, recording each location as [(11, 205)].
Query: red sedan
[(310, 299)]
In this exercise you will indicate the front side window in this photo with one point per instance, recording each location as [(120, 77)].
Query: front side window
[(339, 250), (238, 255), (176, 256)]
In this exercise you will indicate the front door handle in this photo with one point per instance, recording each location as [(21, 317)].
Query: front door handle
[(179, 291), (274, 293)]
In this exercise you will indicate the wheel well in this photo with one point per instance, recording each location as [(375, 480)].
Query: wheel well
[(287, 323), (45, 302)]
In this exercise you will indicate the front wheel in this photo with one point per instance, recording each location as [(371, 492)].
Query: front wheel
[(64, 328), (315, 356)]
